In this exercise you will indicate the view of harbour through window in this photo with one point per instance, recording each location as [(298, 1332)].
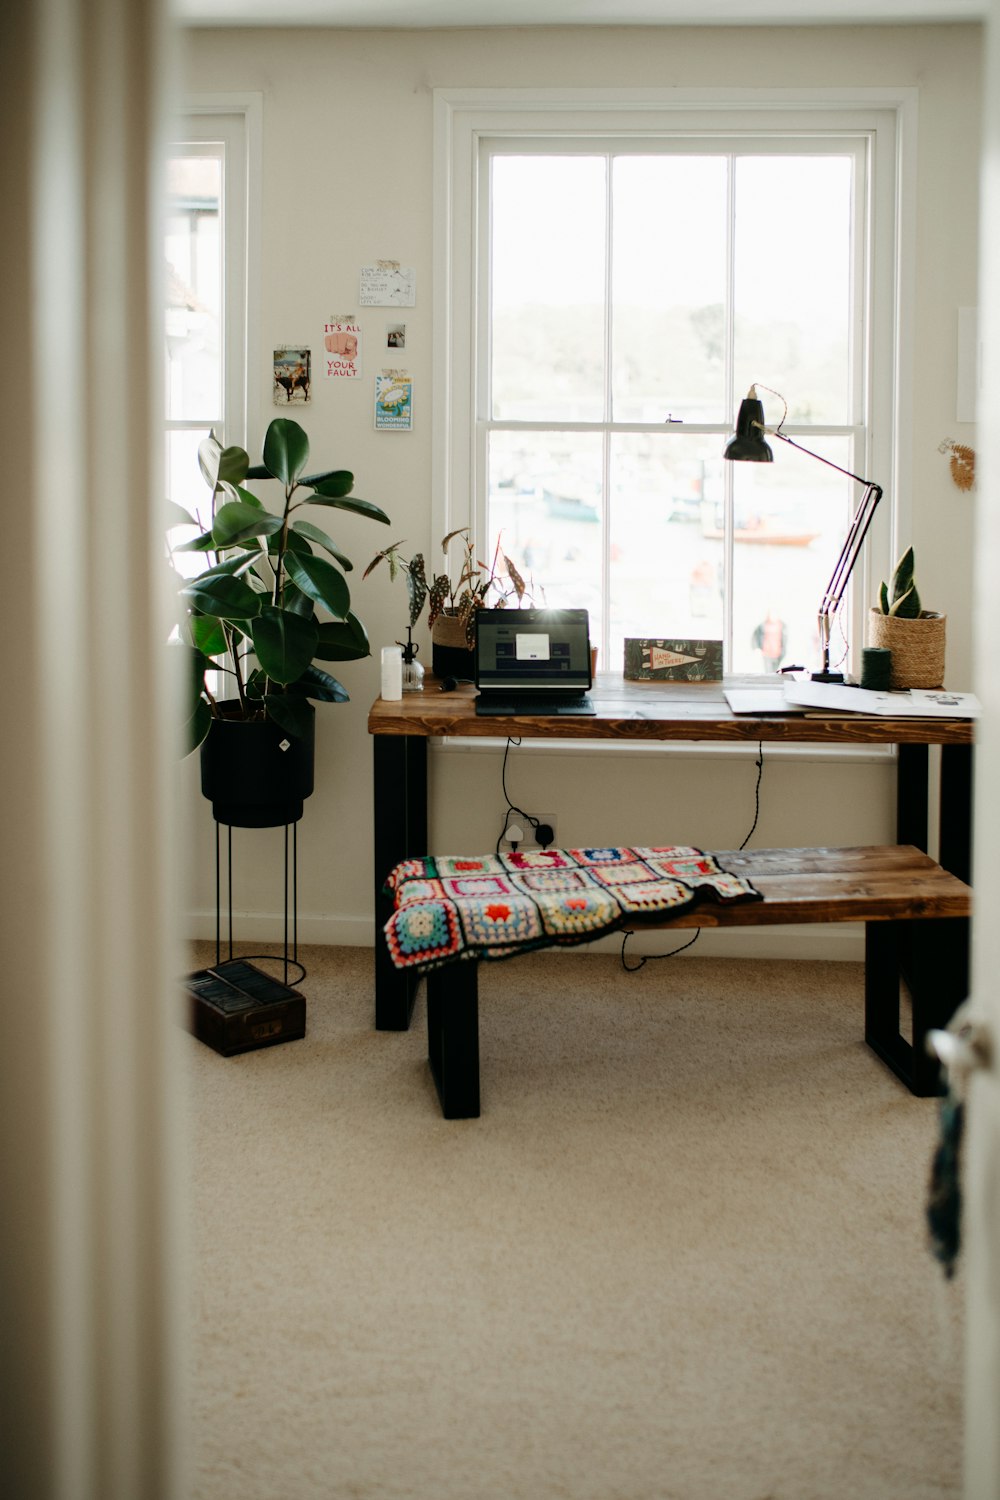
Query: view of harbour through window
[(629, 298)]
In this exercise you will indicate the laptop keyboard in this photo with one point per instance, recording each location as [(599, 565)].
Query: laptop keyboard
[(535, 705)]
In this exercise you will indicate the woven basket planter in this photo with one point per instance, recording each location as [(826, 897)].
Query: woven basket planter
[(917, 647)]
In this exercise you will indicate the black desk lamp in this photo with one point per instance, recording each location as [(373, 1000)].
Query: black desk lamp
[(749, 446)]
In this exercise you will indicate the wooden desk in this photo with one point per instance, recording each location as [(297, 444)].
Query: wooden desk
[(640, 711)]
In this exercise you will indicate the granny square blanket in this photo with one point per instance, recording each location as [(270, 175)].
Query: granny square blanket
[(490, 906)]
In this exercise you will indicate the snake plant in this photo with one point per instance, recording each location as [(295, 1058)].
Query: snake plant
[(902, 599)]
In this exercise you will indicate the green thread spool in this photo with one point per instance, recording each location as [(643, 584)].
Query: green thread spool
[(876, 662)]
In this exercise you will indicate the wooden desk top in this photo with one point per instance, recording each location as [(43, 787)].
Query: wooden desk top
[(654, 711)]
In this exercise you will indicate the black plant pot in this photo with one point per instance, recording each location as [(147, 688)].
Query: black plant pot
[(255, 774), (450, 654)]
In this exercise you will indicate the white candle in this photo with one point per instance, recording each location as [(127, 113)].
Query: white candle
[(392, 672)]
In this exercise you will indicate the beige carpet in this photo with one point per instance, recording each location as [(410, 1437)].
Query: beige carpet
[(681, 1256)]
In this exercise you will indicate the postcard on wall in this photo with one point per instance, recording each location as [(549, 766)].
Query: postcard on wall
[(672, 661), (388, 284), (342, 342), (395, 335), (394, 401), (292, 375)]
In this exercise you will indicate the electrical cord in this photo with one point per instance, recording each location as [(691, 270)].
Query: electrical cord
[(534, 823), (645, 957)]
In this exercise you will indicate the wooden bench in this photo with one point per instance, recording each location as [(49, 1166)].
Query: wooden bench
[(916, 918)]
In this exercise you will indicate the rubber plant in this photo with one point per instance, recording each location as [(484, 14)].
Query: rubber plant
[(274, 601)]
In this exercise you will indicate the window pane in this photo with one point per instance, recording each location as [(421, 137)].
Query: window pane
[(186, 487), (793, 281), (545, 505), (669, 288), (666, 564), (548, 216), (790, 521), (194, 288)]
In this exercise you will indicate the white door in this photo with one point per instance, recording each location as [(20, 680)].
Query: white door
[(982, 1181)]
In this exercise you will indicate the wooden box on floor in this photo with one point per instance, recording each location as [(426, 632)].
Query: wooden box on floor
[(235, 1007)]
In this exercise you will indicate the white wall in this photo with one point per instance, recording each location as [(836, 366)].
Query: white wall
[(347, 179)]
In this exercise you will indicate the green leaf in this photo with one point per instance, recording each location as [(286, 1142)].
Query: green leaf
[(286, 448), (208, 635), (350, 502), (321, 581), (237, 522), (342, 640), (293, 543), (907, 607), (285, 643), (295, 715), (203, 543), (176, 515), (228, 598), (318, 535), (230, 567), (209, 458), (197, 726), (320, 685), (233, 465), (335, 482), (883, 597), (221, 465), (248, 498), (296, 602)]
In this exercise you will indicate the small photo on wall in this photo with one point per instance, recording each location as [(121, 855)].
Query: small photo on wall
[(292, 375), (395, 335)]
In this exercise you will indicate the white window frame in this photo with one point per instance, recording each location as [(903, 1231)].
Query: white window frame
[(235, 120), (464, 118)]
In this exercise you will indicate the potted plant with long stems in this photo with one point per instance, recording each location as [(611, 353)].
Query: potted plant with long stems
[(272, 605), (454, 601)]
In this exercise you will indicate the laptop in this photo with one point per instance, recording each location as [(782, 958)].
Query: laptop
[(533, 661)]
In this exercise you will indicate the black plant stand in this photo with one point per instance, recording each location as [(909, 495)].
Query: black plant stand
[(289, 956)]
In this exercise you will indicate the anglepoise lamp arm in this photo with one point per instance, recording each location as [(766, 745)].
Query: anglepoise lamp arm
[(749, 445)]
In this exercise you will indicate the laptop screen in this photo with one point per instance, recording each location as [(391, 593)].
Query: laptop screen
[(521, 649)]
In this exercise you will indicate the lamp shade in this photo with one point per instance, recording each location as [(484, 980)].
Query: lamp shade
[(749, 444)]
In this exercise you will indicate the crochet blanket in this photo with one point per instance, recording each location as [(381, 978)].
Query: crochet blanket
[(490, 906)]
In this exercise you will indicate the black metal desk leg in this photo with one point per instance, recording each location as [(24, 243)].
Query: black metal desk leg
[(937, 980), (911, 796), (956, 811), (453, 1038), (400, 763)]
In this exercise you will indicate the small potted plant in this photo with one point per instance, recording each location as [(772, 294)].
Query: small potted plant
[(452, 605), (273, 603), (915, 636)]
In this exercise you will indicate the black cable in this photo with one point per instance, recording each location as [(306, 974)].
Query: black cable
[(534, 822), (756, 793), (645, 957)]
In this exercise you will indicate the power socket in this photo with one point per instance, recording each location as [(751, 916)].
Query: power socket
[(530, 839)]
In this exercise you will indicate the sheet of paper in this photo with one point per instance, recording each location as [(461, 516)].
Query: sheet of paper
[(917, 703), (758, 701)]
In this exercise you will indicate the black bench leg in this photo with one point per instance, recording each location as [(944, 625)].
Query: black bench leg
[(937, 976), (453, 1038)]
